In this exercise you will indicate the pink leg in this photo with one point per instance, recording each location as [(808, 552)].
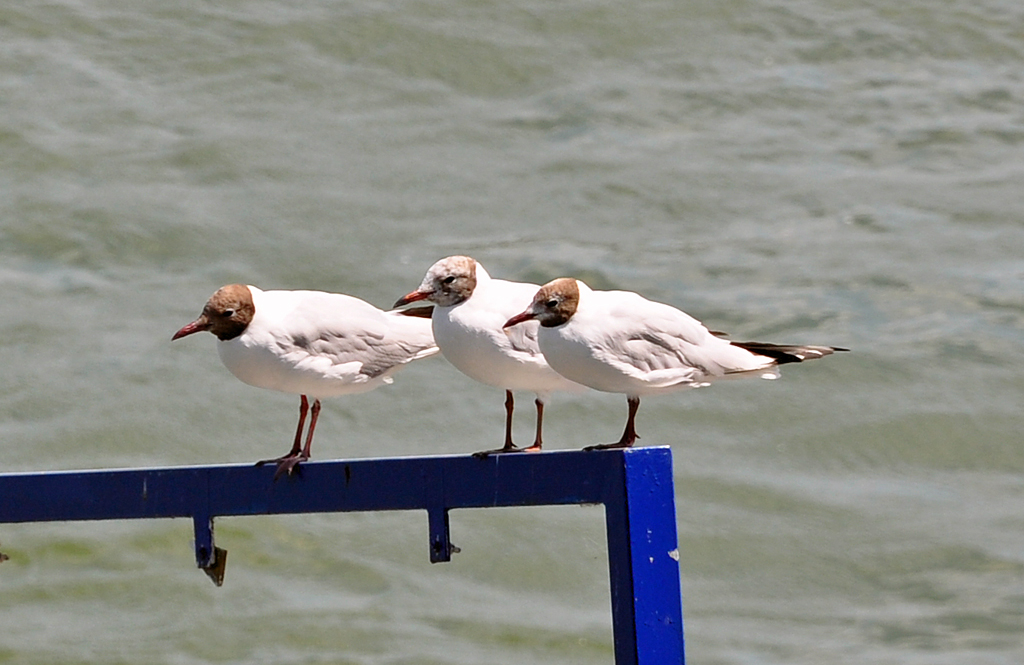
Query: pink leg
[(509, 447), (287, 463), (629, 435), (312, 426), (537, 440)]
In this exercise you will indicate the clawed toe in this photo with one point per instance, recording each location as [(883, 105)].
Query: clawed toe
[(610, 446), (484, 454), (285, 465)]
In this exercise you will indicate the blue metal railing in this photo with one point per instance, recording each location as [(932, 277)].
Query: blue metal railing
[(634, 485)]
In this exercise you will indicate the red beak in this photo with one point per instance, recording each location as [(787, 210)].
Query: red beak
[(415, 296), (199, 325), (519, 318)]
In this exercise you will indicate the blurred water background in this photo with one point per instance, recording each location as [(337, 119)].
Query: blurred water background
[(833, 172)]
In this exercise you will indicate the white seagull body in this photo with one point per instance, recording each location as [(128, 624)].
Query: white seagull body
[(620, 342), (309, 343), (470, 310)]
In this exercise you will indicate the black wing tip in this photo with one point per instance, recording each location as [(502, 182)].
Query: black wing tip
[(789, 353)]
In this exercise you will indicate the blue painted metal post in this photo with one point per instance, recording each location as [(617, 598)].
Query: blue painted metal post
[(642, 555), (635, 486)]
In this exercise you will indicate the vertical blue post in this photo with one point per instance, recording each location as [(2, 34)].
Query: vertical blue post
[(643, 561)]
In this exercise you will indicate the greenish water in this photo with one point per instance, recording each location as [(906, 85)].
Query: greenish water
[(823, 172)]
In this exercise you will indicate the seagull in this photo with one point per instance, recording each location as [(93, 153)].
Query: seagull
[(620, 342), (469, 310), (312, 344)]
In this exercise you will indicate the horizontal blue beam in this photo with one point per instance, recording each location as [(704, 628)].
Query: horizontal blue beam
[(331, 486), (634, 485)]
